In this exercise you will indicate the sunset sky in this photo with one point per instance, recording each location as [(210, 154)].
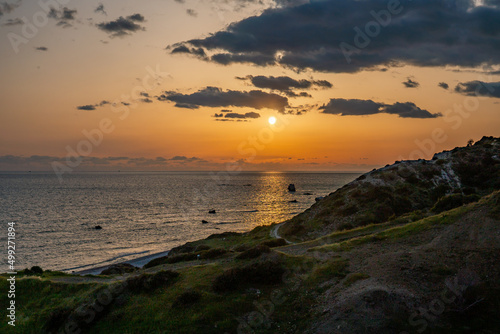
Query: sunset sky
[(191, 84)]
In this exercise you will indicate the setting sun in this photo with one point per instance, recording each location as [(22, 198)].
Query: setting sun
[(272, 120)]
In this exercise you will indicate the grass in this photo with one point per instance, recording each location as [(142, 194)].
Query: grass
[(398, 232)]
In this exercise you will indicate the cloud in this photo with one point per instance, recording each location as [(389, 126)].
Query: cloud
[(13, 22), (321, 35), (286, 84), (199, 52), (183, 159), (7, 7), (234, 115), (100, 9), (443, 85), (192, 12), (41, 48), (216, 97), (355, 107), (86, 107), (479, 88), (409, 83), (123, 26), (93, 106), (64, 16)]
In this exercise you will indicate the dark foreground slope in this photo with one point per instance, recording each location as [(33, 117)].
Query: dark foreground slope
[(434, 270)]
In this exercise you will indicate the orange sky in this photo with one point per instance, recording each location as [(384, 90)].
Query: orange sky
[(41, 90)]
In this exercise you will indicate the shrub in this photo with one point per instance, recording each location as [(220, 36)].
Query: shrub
[(36, 270), (186, 299), (453, 201), (254, 252), (212, 253), (265, 273), (275, 243), (150, 282)]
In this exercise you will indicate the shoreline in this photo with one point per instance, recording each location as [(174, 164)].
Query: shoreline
[(137, 262)]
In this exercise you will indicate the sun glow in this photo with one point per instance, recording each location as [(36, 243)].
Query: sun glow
[(272, 120)]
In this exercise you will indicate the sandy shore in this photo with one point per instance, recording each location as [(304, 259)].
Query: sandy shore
[(138, 262)]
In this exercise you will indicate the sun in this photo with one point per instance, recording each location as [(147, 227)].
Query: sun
[(272, 120)]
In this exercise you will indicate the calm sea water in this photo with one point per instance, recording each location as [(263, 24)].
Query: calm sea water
[(141, 213)]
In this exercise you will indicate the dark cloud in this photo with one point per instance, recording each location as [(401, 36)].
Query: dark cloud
[(355, 107), (320, 35), (100, 9), (199, 52), (409, 83), (251, 115), (86, 107), (479, 88), (93, 106), (123, 26), (216, 97), (13, 22), (443, 85), (183, 159), (192, 12), (64, 16), (41, 48), (285, 83)]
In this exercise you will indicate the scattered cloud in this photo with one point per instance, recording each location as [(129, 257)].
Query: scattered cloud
[(443, 85), (7, 7), (235, 115), (13, 22), (123, 26), (191, 12), (64, 16), (100, 9), (409, 83), (286, 84), (479, 88), (41, 48), (355, 107), (88, 107), (216, 97), (199, 52), (320, 35)]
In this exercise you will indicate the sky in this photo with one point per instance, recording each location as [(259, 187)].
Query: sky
[(170, 85)]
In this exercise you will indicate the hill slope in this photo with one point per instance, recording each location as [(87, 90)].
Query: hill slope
[(402, 188)]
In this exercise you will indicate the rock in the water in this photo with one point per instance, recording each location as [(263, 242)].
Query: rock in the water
[(291, 187), (317, 199), (204, 222), (307, 194), (293, 201), (119, 269), (98, 227), (211, 211)]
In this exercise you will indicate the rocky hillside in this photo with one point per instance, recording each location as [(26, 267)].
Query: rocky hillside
[(410, 188)]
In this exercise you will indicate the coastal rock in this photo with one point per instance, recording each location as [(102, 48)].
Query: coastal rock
[(291, 187), (204, 222), (212, 211), (98, 227), (317, 199)]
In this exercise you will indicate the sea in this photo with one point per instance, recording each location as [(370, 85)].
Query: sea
[(141, 214)]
